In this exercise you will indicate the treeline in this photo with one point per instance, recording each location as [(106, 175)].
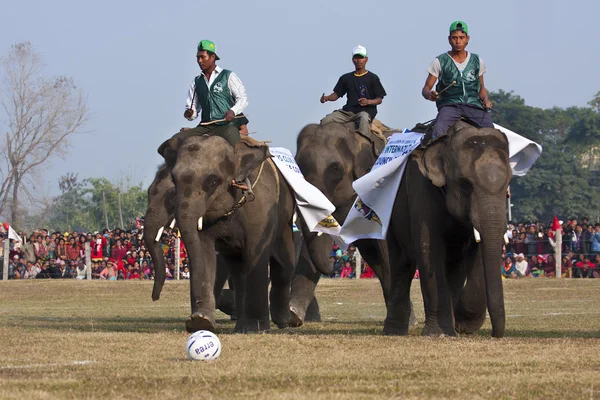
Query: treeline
[(565, 180)]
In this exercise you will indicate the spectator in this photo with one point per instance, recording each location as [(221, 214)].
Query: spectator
[(584, 268), (72, 248), (109, 273), (508, 268), (81, 272), (368, 273), (531, 241), (119, 252), (595, 240), (40, 249), (550, 267), (347, 270), (186, 273), (98, 247), (536, 266), (29, 250), (61, 248), (521, 266), (566, 267), (44, 273)]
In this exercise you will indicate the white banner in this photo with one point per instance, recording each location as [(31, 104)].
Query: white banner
[(370, 215), (316, 209)]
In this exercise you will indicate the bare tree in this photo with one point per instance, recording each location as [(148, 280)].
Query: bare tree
[(42, 113)]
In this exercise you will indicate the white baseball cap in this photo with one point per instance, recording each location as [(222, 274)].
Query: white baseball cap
[(359, 50)]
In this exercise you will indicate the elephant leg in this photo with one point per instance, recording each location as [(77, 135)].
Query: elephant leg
[(376, 254), (282, 271), (303, 288), (399, 306), (255, 317), (470, 310), (224, 298), (202, 280), (313, 314), (431, 261)]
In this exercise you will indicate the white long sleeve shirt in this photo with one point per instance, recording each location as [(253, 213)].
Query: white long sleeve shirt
[(236, 88)]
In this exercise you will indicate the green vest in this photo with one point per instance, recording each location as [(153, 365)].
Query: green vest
[(467, 86), (216, 100)]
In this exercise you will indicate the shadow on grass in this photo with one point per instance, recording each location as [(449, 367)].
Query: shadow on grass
[(225, 326)]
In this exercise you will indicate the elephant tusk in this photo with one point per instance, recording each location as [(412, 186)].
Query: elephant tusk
[(477, 235), (505, 238), (172, 224), (319, 233), (294, 218), (200, 223), (159, 234)]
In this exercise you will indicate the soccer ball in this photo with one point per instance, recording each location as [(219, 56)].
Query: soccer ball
[(203, 345)]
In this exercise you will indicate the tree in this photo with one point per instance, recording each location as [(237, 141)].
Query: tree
[(559, 182), (42, 113)]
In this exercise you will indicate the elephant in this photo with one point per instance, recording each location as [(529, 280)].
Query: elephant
[(448, 220), (331, 157), (251, 229), (160, 212)]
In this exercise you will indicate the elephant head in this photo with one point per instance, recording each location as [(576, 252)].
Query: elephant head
[(473, 166), (203, 174)]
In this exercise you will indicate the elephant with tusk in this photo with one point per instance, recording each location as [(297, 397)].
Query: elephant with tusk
[(449, 221)]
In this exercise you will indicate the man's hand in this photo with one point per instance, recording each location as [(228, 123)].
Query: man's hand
[(324, 99), (229, 115), (188, 113), (433, 96), (487, 104), (364, 102)]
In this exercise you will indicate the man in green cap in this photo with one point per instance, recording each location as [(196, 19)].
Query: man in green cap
[(364, 93), (460, 91), (216, 94)]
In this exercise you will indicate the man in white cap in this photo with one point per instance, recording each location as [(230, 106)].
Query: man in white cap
[(364, 93)]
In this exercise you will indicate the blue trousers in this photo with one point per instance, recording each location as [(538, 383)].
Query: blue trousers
[(449, 114)]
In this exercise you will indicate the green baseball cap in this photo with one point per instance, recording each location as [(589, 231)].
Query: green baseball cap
[(459, 26), (208, 46)]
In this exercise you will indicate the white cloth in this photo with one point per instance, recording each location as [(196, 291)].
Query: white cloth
[(316, 209), (435, 67), (370, 215), (236, 89)]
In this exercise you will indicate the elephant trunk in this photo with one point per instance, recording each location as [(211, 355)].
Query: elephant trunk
[(491, 223), (151, 230)]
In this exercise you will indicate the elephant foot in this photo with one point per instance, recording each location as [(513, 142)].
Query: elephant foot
[(437, 331), (227, 302), (394, 328), (295, 318), (252, 326), (313, 314), (199, 322), (282, 321)]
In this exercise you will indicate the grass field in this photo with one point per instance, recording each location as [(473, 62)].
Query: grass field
[(80, 339)]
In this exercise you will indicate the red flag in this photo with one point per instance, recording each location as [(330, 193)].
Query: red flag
[(11, 232), (555, 226)]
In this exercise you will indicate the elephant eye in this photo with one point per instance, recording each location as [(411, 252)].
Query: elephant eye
[(211, 183)]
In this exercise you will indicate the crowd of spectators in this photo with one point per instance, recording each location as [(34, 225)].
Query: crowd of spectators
[(531, 249), (115, 255), (122, 255)]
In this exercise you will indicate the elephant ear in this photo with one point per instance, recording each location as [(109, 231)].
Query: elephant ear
[(431, 161), (168, 149), (249, 154)]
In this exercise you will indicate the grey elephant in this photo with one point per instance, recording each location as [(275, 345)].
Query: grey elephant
[(160, 213), (249, 230), (449, 220), (331, 157)]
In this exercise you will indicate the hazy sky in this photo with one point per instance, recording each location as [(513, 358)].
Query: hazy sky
[(136, 61)]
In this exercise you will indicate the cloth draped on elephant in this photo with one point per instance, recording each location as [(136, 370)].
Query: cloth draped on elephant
[(370, 215)]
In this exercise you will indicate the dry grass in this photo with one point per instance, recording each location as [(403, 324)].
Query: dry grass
[(134, 348)]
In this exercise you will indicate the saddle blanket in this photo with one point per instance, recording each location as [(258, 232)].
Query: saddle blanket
[(315, 208), (369, 218)]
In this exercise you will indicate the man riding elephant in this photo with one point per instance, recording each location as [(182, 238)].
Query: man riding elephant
[(218, 96), (364, 90), (460, 91)]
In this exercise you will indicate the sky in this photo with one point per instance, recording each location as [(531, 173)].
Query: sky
[(136, 60)]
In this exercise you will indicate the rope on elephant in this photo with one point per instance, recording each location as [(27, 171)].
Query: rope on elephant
[(244, 197), (221, 120)]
